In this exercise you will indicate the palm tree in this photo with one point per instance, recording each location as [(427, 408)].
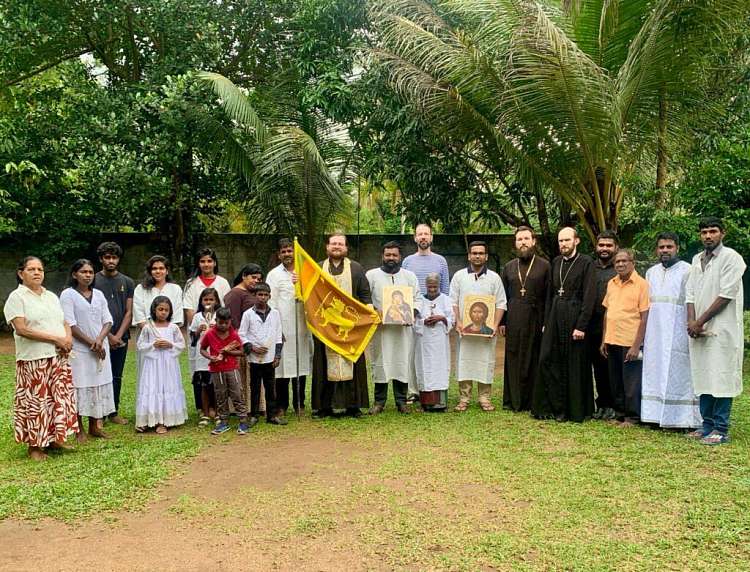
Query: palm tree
[(294, 164), (576, 94)]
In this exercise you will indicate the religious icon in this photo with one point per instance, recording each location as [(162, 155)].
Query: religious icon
[(479, 313), (398, 305)]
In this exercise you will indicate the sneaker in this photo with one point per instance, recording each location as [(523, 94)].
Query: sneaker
[(221, 427), (715, 438), (243, 429)]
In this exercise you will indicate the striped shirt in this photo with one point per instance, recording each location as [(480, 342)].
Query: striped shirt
[(422, 265)]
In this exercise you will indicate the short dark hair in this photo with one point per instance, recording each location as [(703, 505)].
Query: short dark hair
[(284, 242), (22, 266), (109, 247), (608, 234), (482, 243), (260, 287), (668, 235), (330, 236), (710, 221), (391, 244), (77, 265), (161, 300), (524, 228), (223, 314)]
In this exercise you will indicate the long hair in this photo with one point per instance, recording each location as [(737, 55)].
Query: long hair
[(247, 270), (209, 292), (77, 265), (197, 267), (148, 280), (160, 300)]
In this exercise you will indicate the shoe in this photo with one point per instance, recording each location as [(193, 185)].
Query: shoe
[(243, 429), (715, 438), (252, 422), (598, 413), (221, 427), (277, 421), (354, 413), (117, 420), (375, 409), (608, 414), (562, 418), (403, 408), (322, 413), (412, 397)]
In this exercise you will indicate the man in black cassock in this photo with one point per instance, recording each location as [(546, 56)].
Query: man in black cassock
[(564, 388), (525, 280), (335, 384), (604, 271)]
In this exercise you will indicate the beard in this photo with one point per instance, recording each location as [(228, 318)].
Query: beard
[(424, 244), (525, 253), (391, 265)]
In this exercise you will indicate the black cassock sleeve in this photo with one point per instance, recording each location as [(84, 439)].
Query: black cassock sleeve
[(589, 295)]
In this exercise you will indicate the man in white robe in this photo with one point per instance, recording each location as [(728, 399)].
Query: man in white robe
[(668, 398), (714, 311), (391, 350), (475, 359), (297, 355), (432, 348)]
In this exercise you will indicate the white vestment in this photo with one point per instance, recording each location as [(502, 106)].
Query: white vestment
[(716, 358), (282, 298), (667, 395), (475, 360), (391, 349), (432, 350)]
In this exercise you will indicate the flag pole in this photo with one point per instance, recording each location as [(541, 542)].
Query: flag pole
[(296, 339)]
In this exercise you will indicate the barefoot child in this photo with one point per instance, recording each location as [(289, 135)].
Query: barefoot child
[(221, 346), (260, 332), (87, 313), (205, 399), (160, 401)]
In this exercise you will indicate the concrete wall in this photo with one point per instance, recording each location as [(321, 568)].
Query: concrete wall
[(236, 250)]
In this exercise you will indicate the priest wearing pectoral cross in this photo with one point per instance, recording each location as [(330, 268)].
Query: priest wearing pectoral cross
[(526, 281), (564, 388)]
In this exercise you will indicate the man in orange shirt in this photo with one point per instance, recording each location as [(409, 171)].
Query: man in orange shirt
[(627, 304)]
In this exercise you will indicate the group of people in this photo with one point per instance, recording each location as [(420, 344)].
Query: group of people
[(664, 349)]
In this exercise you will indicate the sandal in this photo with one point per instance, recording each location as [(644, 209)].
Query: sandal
[(204, 421), (715, 438), (161, 430), (140, 429), (462, 406), (486, 406)]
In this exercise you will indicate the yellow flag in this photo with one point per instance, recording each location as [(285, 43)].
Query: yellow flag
[(341, 322)]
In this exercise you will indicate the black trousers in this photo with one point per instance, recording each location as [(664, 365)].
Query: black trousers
[(625, 379), (601, 369), (117, 360), (263, 373), (200, 380), (298, 395), (400, 390)]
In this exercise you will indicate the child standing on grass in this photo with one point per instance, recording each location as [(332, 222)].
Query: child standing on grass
[(260, 332), (160, 401), (221, 346), (203, 390)]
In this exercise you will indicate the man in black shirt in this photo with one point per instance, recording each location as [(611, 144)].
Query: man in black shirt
[(118, 290), (604, 268)]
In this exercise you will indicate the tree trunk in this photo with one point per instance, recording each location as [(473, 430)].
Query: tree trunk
[(661, 151)]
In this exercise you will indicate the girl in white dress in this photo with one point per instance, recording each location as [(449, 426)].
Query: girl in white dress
[(87, 314), (160, 401)]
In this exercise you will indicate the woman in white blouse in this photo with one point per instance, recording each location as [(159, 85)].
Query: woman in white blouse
[(44, 409)]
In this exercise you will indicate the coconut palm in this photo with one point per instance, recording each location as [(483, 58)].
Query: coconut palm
[(294, 163), (576, 94)]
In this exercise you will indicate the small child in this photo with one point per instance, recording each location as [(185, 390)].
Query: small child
[(205, 400), (260, 332), (221, 346), (160, 400)]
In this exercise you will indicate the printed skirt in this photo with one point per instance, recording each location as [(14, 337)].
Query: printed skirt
[(45, 402)]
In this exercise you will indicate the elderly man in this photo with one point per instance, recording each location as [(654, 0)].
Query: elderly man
[(337, 383), (668, 398), (475, 359), (525, 279), (714, 311), (564, 389), (625, 318), (391, 350)]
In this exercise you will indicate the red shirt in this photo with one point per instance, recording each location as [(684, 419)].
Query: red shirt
[(207, 281), (214, 344)]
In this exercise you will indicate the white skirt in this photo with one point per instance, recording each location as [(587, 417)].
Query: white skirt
[(97, 402), (160, 399)]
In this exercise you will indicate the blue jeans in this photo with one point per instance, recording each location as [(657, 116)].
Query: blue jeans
[(715, 412)]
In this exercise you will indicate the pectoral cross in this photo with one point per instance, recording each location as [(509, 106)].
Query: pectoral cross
[(523, 291), (561, 291)]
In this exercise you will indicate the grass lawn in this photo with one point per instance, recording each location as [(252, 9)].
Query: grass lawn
[(452, 491)]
